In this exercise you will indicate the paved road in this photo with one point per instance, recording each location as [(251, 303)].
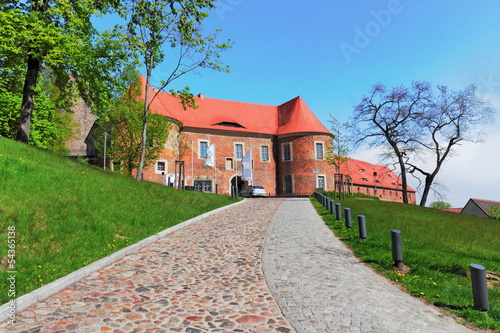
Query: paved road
[(208, 277)]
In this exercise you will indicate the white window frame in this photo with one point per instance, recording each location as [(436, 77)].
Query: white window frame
[(200, 155), (324, 180), (322, 150), (236, 158), (261, 155), (160, 171), (283, 151), (230, 159)]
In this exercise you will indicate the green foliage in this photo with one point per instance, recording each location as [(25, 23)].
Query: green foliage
[(76, 214), (494, 212), (440, 205), (58, 34), (50, 128), (177, 24), (123, 125), (437, 250), (337, 155)]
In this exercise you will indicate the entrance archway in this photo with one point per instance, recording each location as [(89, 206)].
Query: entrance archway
[(237, 183)]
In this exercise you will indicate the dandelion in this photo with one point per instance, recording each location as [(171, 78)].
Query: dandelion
[(434, 283), (422, 293)]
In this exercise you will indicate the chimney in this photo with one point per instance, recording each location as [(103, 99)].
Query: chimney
[(201, 95)]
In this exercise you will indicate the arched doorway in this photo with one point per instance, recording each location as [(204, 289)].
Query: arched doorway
[(237, 183)]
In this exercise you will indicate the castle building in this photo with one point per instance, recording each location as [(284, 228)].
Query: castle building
[(223, 146), (287, 144)]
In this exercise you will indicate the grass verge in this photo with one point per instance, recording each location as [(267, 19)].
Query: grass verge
[(67, 214), (438, 248)]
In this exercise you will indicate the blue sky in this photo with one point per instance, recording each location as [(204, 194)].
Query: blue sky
[(330, 52)]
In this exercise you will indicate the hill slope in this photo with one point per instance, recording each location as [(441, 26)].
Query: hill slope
[(67, 214)]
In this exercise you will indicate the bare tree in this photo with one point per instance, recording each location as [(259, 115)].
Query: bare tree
[(386, 118), (416, 125), (452, 118)]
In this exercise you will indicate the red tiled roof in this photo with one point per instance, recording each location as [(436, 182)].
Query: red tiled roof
[(293, 116), (363, 173), (452, 210)]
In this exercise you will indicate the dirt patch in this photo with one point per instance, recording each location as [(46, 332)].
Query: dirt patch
[(493, 280), (403, 269)]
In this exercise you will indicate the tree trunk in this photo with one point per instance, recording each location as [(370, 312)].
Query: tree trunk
[(403, 179), (429, 179), (23, 130), (144, 127)]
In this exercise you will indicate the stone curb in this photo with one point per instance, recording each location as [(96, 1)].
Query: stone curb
[(41, 293)]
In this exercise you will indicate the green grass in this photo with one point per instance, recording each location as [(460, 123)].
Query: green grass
[(438, 247), (68, 214)]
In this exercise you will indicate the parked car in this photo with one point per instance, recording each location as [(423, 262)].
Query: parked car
[(253, 191)]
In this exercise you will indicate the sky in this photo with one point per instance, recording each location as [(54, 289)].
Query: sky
[(331, 52)]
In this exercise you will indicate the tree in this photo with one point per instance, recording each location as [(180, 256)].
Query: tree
[(440, 205), (494, 212), (453, 117), (416, 124), (337, 154), (58, 34), (123, 125), (177, 24), (388, 116), (51, 127)]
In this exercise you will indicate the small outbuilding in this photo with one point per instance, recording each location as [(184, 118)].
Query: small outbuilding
[(479, 207)]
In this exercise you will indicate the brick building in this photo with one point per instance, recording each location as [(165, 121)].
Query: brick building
[(287, 142), (288, 145), (375, 180)]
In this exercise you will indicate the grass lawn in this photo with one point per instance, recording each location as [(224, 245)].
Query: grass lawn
[(67, 214), (438, 248)]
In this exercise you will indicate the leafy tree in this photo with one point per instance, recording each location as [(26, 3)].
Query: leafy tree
[(415, 124), (58, 34), (51, 127), (123, 125), (337, 155), (440, 205), (494, 212), (177, 24)]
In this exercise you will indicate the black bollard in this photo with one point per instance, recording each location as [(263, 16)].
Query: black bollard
[(332, 206), (338, 211), (362, 226), (347, 212), (397, 248), (479, 287)]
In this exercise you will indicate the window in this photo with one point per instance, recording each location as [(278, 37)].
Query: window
[(229, 163), (203, 185), (287, 151), (161, 167), (264, 153), (364, 179), (288, 184), (319, 150), (320, 182), (203, 146), (238, 151), (362, 170)]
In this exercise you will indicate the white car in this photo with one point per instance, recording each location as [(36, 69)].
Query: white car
[(253, 191)]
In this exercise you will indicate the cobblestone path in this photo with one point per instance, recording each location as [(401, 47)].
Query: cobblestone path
[(322, 287), (206, 277)]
